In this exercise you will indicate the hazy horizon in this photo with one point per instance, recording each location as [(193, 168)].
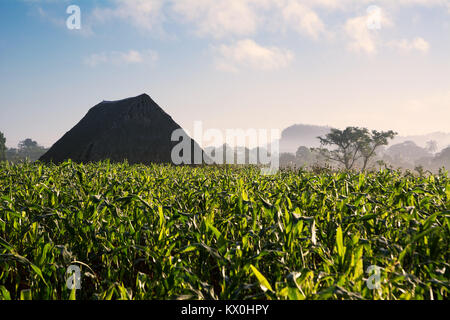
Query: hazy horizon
[(235, 64)]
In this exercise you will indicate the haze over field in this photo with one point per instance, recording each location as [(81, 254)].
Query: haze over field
[(229, 63)]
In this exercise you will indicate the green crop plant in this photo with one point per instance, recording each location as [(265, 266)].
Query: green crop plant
[(165, 232)]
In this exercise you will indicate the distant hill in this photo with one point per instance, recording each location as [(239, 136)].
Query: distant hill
[(442, 139), (301, 135)]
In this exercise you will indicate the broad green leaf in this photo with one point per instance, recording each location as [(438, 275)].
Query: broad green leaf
[(340, 243), (262, 280), (4, 293)]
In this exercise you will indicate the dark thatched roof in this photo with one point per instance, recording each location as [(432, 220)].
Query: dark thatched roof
[(134, 129)]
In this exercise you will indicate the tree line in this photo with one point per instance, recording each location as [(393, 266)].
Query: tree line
[(27, 150), (358, 148), (353, 148)]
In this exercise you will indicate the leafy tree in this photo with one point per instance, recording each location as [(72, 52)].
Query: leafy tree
[(288, 160), (353, 144), (304, 156), (348, 145), (303, 153), (27, 144), (372, 142), (2, 147), (28, 149)]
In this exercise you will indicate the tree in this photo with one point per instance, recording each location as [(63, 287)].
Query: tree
[(2, 147), (27, 144), (28, 149), (353, 144), (348, 145), (304, 156), (432, 146), (287, 160), (303, 153), (372, 142)]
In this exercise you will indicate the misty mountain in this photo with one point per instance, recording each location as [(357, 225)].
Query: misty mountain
[(306, 135), (407, 151), (301, 135), (442, 139)]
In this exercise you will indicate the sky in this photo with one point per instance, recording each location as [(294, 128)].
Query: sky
[(262, 64)]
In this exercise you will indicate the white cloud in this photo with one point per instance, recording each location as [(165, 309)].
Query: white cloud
[(148, 57), (219, 18), (240, 19), (248, 54), (303, 19), (361, 37), (144, 14), (244, 18), (405, 45), (364, 39)]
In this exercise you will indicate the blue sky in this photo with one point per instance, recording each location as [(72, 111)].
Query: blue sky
[(230, 63)]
